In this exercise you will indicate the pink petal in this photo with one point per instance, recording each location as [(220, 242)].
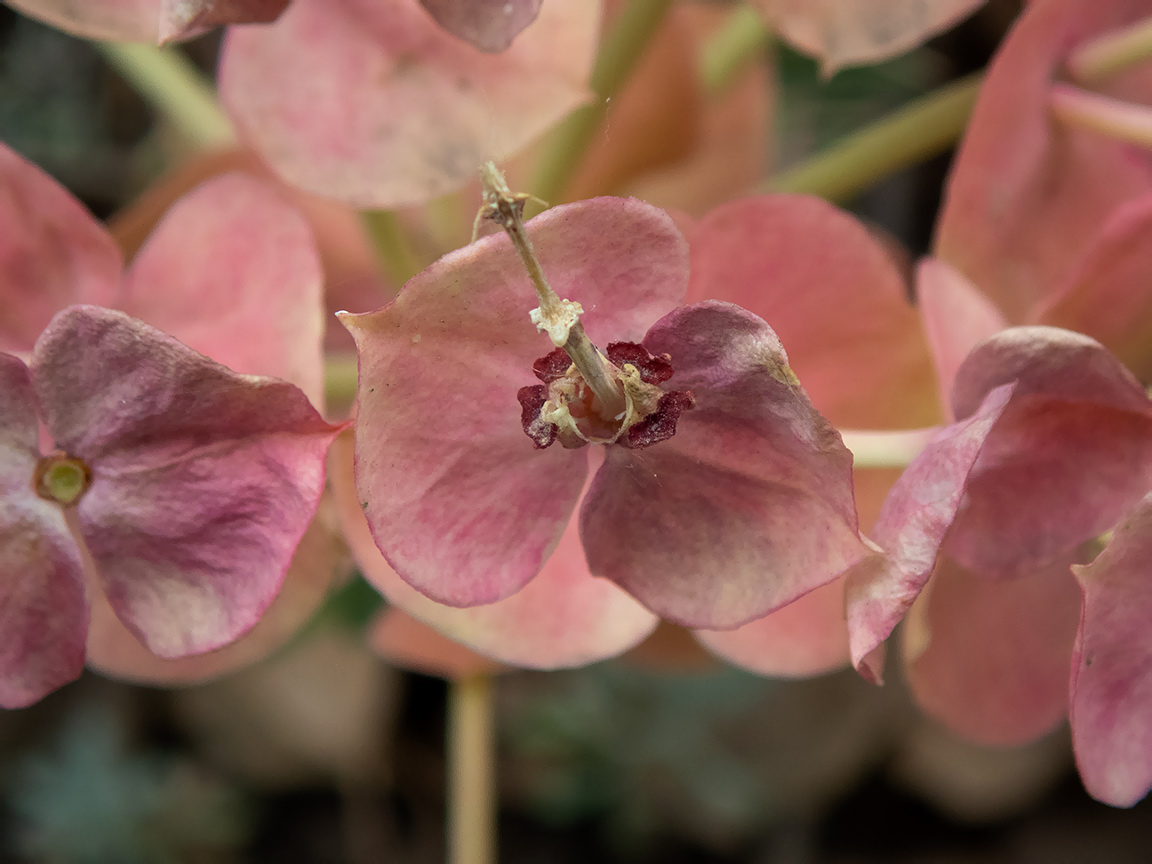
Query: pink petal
[(233, 272), (854, 32), (181, 19), (1070, 455), (1111, 685), (995, 666), (1026, 194), (52, 253), (459, 501), (957, 317), (1109, 296), (804, 638), (912, 525), (834, 296), (203, 480), (124, 20), (748, 507), (43, 614), (561, 619), (407, 643), (489, 25), (374, 104)]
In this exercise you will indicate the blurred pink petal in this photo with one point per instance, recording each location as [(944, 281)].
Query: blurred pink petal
[(43, 613), (1111, 684), (913, 523), (1028, 194), (466, 510), (117, 20), (854, 32), (489, 25), (52, 253), (181, 19), (233, 272), (990, 659), (748, 507), (806, 637), (408, 643), (203, 480), (372, 103), (957, 317)]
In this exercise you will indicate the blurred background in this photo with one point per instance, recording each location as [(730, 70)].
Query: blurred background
[(327, 753)]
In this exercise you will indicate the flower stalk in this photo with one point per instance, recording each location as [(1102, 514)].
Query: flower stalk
[(471, 771), (1112, 52), (1123, 121)]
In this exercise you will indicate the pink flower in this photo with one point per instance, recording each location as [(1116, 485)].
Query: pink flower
[(746, 506)]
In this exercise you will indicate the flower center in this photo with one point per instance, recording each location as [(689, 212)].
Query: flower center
[(566, 408), (62, 478)]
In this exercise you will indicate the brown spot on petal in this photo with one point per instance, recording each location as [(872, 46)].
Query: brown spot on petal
[(653, 369), (660, 425), (532, 399)]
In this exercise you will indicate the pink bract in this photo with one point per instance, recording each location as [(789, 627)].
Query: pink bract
[(372, 103)]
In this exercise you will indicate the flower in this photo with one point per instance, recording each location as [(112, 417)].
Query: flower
[(744, 508), (147, 20)]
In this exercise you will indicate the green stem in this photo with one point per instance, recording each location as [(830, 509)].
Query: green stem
[(471, 771), (927, 127), (340, 376), (894, 448), (1111, 53), (393, 250), (741, 38), (619, 52), (172, 84)]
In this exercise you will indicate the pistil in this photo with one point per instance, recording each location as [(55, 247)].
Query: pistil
[(560, 319)]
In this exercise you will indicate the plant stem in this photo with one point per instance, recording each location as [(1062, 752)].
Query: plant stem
[(340, 376), (619, 52), (894, 448), (471, 771), (742, 37), (1123, 121), (924, 128), (393, 251), (172, 85), (1111, 53)]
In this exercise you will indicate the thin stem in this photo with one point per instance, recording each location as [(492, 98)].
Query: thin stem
[(172, 85), (340, 376), (742, 37), (393, 251), (619, 52), (924, 128), (1111, 53), (1124, 121), (885, 449), (471, 771)]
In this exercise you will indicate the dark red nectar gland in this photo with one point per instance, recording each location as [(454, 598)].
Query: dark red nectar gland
[(61, 478), (565, 408)]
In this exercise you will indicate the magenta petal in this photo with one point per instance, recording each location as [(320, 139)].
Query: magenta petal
[(1111, 680), (1071, 454), (233, 272), (372, 103), (52, 253), (489, 25), (43, 613), (995, 666), (181, 19), (748, 507), (123, 20), (203, 480), (458, 500), (913, 522)]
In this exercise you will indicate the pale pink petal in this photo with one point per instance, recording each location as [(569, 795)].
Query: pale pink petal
[(990, 659), (489, 25), (1111, 680), (1072, 453), (1109, 295), (43, 614), (181, 19), (463, 506), (233, 272), (52, 253), (911, 527), (203, 480), (374, 104), (748, 507), (410, 644), (807, 637), (854, 32), (957, 317), (563, 618), (1027, 194), (118, 20)]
